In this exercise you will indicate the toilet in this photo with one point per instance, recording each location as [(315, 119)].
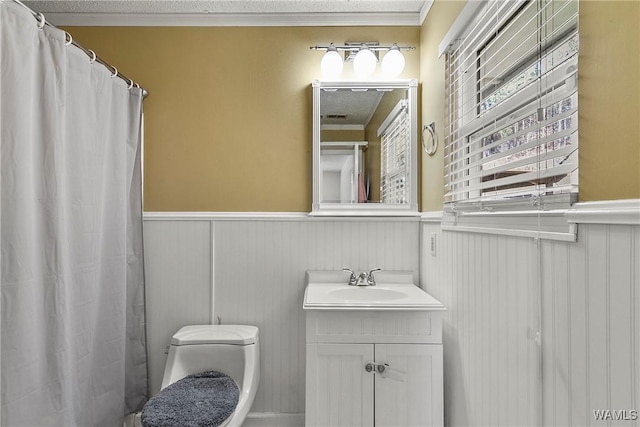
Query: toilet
[(232, 350)]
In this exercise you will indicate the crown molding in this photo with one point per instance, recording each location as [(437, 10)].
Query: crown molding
[(234, 19), (424, 11)]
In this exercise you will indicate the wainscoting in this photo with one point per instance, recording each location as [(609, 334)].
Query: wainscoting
[(491, 360), (537, 332), (256, 267)]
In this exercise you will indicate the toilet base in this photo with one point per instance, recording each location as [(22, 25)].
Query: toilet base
[(135, 420)]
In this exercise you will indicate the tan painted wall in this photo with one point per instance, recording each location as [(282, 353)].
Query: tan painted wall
[(609, 99), (435, 26), (341, 135), (228, 124), (228, 119)]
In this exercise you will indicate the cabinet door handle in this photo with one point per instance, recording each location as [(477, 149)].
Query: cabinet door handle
[(382, 367), (370, 367)]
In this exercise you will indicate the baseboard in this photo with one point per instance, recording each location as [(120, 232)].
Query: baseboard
[(132, 420), (254, 419), (273, 419)]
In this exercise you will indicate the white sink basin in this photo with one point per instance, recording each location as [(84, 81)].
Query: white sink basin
[(328, 290), (365, 294)]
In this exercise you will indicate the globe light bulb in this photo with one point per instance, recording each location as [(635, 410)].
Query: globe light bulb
[(393, 62), (364, 64), (331, 64)]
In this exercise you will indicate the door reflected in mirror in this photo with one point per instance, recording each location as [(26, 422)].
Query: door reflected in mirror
[(365, 148)]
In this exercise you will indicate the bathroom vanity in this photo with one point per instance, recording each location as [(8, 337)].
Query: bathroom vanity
[(373, 353)]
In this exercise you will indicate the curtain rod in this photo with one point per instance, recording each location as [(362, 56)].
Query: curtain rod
[(91, 54)]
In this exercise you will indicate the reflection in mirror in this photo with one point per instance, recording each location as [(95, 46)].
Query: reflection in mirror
[(365, 148)]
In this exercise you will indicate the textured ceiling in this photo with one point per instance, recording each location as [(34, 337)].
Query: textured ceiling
[(228, 7), (354, 108)]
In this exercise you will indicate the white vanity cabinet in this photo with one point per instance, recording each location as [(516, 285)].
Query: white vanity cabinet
[(347, 349)]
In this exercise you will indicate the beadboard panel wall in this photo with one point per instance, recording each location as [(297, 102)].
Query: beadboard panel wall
[(256, 267), (178, 285), (584, 299), (491, 360), (591, 326), (260, 279)]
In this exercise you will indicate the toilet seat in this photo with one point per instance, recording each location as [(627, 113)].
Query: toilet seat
[(230, 349), (203, 399)]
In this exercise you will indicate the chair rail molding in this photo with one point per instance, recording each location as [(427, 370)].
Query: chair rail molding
[(269, 216), (625, 212)]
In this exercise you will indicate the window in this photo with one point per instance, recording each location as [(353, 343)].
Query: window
[(396, 149), (512, 107)]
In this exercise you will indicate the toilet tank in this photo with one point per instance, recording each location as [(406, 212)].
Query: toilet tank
[(225, 348)]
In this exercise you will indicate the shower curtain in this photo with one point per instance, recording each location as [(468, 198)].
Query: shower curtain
[(72, 341)]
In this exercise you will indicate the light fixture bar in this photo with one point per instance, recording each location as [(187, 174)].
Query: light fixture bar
[(364, 56), (358, 47)]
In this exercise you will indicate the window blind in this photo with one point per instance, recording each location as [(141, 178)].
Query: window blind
[(511, 129), (395, 152)]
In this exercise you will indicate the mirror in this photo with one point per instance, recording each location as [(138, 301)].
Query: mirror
[(365, 148)]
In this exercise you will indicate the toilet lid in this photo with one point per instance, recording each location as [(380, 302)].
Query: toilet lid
[(215, 334), (204, 399)]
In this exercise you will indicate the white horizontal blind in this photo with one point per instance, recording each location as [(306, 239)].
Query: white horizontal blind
[(395, 161), (512, 105)]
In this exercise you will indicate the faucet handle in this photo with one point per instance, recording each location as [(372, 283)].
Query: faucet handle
[(352, 279), (370, 279)]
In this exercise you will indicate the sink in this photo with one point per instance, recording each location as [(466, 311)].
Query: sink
[(394, 290), (366, 293)]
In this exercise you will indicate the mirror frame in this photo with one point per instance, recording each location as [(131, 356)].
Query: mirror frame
[(367, 209)]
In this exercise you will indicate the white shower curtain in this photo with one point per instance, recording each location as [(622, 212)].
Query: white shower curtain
[(72, 322)]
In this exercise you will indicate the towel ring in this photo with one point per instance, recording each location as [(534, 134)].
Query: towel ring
[(41, 21), (430, 147)]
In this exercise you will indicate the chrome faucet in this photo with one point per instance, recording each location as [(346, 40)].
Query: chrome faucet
[(363, 279), (352, 279), (371, 281)]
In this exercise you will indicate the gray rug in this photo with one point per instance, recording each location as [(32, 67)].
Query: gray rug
[(199, 400)]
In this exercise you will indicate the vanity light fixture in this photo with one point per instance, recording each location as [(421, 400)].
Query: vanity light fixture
[(364, 64), (331, 64), (364, 57), (393, 62)]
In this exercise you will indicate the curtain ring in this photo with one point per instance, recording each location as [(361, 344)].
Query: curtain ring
[(67, 43), (130, 84), (93, 57), (41, 21), (115, 72), (137, 85), (430, 148)]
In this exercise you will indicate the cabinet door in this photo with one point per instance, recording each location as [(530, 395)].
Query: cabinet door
[(409, 392), (339, 392)]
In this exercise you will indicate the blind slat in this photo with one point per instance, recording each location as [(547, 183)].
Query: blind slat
[(560, 139), (560, 153), (512, 105), (526, 177)]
